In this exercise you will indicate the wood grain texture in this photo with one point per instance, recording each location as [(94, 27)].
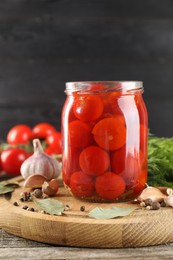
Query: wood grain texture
[(13, 247), (140, 228)]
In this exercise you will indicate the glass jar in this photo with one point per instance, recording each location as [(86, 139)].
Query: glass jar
[(104, 133)]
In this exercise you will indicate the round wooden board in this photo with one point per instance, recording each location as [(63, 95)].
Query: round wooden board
[(140, 228)]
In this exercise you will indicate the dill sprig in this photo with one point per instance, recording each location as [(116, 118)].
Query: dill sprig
[(160, 161)]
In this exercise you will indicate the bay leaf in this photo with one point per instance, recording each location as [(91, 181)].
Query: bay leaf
[(9, 183), (3, 183), (51, 206), (12, 184), (113, 212), (6, 189)]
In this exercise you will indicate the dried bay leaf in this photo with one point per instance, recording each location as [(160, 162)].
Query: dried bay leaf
[(6, 189), (12, 184), (3, 183), (9, 183), (113, 212), (51, 206)]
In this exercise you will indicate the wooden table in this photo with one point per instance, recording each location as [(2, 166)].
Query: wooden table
[(13, 247)]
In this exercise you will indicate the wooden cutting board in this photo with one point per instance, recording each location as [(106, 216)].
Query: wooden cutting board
[(140, 228)]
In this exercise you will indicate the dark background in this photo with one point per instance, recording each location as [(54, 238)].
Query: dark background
[(44, 43)]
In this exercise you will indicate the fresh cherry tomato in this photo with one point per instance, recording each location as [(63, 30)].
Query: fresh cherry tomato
[(81, 184), (110, 133), (79, 134), (88, 107), (42, 130), (110, 186), (12, 160), (52, 150), (19, 134), (54, 142), (94, 161)]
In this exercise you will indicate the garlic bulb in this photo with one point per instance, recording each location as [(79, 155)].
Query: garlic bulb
[(40, 164)]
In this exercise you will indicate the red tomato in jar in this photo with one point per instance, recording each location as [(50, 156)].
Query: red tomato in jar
[(19, 134), (94, 161), (132, 168), (42, 130), (88, 107), (111, 103), (118, 159), (54, 142), (110, 133), (110, 185), (79, 134), (81, 184), (141, 182), (70, 163), (141, 109), (12, 160)]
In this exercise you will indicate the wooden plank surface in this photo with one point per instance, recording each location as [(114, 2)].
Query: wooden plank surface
[(14, 247)]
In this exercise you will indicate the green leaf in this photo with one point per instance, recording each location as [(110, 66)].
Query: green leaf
[(51, 206), (113, 212), (6, 189), (12, 184)]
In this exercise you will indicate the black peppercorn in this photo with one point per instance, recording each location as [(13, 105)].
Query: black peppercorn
[(25, 207), (38, 193), (67, 207), (31, 209), (82, 208), (16, 203)]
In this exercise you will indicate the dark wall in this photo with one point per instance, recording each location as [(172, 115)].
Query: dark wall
[(43, 44)]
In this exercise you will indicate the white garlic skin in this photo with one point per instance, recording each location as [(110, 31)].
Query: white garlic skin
[(40, 164), (169, 200)]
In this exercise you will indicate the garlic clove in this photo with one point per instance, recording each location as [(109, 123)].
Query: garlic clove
[(151, 193), (34, 181), (46, 189), (53, 184), (169, 200)]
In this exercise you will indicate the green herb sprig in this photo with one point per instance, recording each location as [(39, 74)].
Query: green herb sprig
[(160, 161)]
